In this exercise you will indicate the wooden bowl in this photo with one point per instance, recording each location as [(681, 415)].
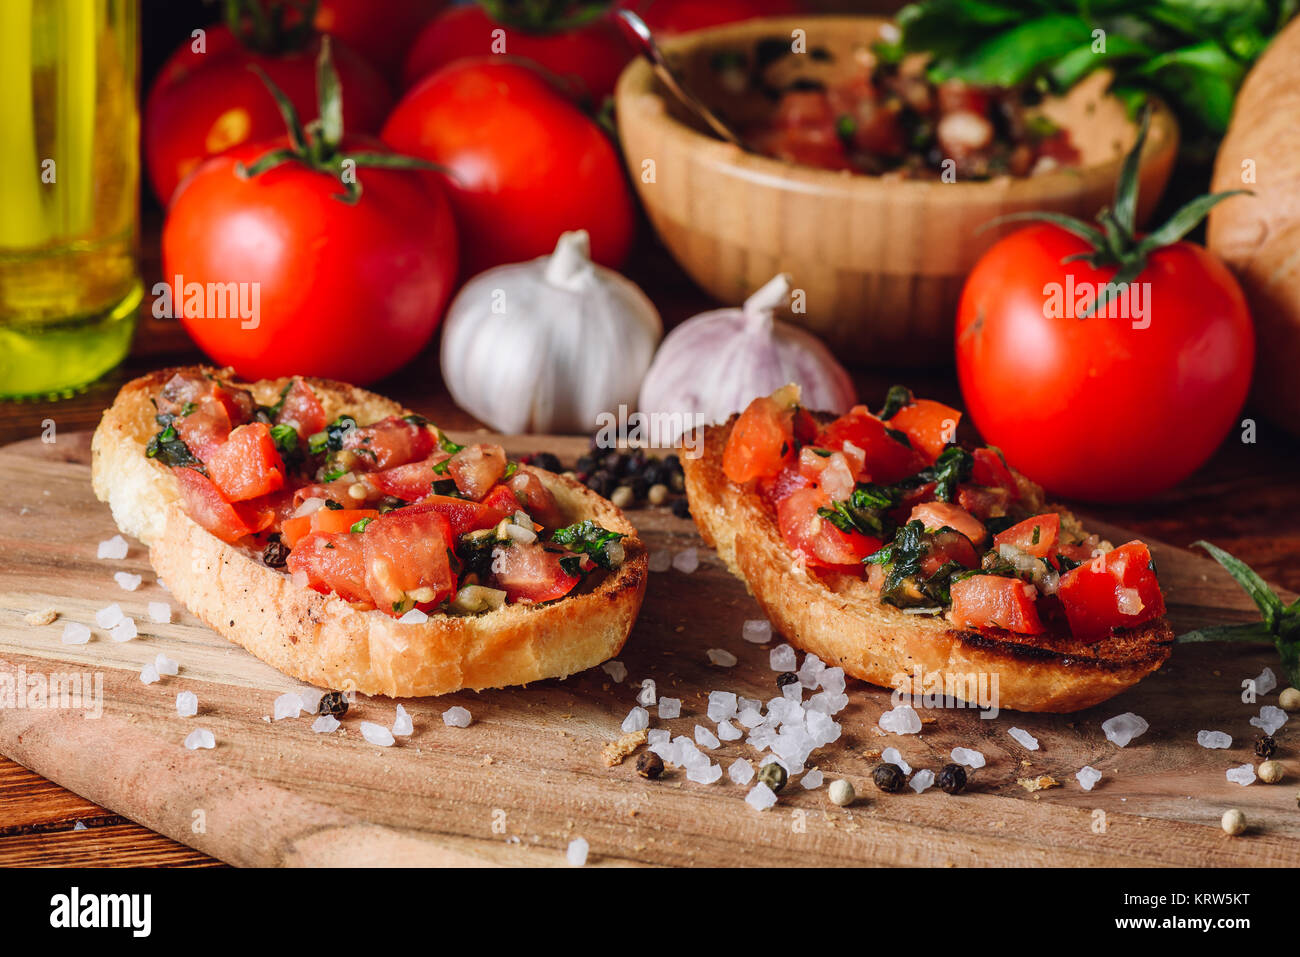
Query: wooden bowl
[(881, 260)]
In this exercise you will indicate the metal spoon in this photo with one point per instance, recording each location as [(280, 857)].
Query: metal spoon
[(650, 50)]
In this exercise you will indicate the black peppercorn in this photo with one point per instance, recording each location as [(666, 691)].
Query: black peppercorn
[(952, 779), (888, 777), (333, 702), (1265, 746), (786, 678), (639, 487), (773, 775), (649, 765), (275, 553), (682, 508), (601, 482), (653, 473), (613, 462), (586, 463), (673, 463), (547, 461)]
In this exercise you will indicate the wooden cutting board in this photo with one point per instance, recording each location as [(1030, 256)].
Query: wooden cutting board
[(528, 775)]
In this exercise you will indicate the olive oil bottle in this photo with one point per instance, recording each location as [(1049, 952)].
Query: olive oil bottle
[(69, 188)]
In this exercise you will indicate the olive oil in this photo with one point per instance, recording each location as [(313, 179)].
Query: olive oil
[(69, 190)]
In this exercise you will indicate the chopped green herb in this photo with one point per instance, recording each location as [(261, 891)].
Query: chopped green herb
[(590, 539), (331, 504), (447, 445), (360, 524), (170, 449), (898, 397)]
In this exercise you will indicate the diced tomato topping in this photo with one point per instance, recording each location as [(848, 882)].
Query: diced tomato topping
[(302, 410), (761, 443), (294, 529), (774, 490), (330, 521), (476, 468), (247, 464), (205, 504), (464, 515), (389, 442), (332, 563), (408, 559), (949, 546), (992, 601), (531, 573), (205, 428), (536, 499), (192, 389), (990, 471), (1115, 590), (928, 424), (935, 515), (1037, 536), (885, 459), (817, 539), (983, 503), (504, 500), (410, 482), (829, 470)]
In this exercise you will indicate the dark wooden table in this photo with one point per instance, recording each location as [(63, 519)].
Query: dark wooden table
[(1245, 499)]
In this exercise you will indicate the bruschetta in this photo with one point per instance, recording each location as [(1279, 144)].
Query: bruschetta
[(877, 543), (351, 544)]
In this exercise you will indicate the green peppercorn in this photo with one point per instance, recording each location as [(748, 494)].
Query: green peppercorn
[(333, 702), (952, 779), (773, 775), (888, 777)]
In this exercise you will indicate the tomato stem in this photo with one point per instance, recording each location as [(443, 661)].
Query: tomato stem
[(261, 26), (544, 16)]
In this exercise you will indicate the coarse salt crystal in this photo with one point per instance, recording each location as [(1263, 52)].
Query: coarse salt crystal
[(722, 705), (706, 773), (325, 723), (75, 633), (722, 658), (1242, 774), (616, 670), (200, 738), (149, 674), (160, 612), (705, 737), (646, 696), (1213, 739), (669, 708), (577, 851), (686, 561), (113, 548), (637, 719), (1266, 682), (891, 756), (1088, 777), (311, 699), (109, 616), (741, 772), (1026, 739), (287, 705), (376, 734), (126, 581), (458, 717), (402, 724), (413, 617), (658, 736), (810, 671), (750, 717), (901, 720), (832, 680), (969, 757), (187, 704), (782, 658), (812, 780), (761, 797), (1123, 728), (729, 732), (124, 630), (165, 665), (1270, 719), (921, 780), (660, 560), (757, 630)]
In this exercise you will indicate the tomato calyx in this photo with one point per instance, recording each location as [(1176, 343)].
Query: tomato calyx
[(544, 16), (264, 28), (1114, 240), (318, 143)]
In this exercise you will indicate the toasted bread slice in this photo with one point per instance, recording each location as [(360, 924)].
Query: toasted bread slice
[(839, 618), (322, 639)]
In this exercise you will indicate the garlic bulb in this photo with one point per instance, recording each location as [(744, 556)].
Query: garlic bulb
[(716, 363), (548, 345)]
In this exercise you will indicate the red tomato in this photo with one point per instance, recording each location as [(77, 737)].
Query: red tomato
[(294, 528), (761, 443), (1115, 590), (408, 561), (830, 471), (302, 410), (1094, 408), (990, 471), (384, 35), (202, 104), (205, 504), (991, 601), (682, 16), (1036, 536), (936, 515), (535, 498), (930, 426), (389, 442), (773, 490), (410, 482), (463, 515), (887, 459), (205, 428), (247, 465), (525, 164), (815, 538), (332, 563), (476, 468), (343, 291), (948, 546), (983, 503), (592, 55), (531, 573), (333, 521)]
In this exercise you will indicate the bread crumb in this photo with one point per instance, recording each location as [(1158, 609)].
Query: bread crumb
[(45, 616), (1040, 783), (615, 751)]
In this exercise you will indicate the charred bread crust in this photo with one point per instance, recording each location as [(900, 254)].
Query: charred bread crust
[(323, 640), (839, 618)]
